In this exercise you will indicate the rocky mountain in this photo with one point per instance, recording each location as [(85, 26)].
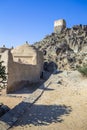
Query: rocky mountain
[(67, 49)]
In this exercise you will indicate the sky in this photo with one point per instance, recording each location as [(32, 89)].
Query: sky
[(32, 20)]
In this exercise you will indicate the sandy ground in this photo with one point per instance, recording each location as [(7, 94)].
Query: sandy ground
[(63, 105), (10, 101), (13, 99)]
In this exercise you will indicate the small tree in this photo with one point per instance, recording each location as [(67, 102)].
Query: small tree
[(2, 72)]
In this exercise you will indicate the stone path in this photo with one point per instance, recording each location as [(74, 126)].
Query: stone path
[(61, 104)]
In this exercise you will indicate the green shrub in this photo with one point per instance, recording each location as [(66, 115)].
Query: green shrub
[(2, 72), (83, 70)]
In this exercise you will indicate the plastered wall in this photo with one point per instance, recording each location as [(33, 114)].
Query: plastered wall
[(20, 75)]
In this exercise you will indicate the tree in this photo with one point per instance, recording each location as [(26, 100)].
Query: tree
[(2, 72)]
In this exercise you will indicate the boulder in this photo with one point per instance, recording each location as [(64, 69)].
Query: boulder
[(50, 67)]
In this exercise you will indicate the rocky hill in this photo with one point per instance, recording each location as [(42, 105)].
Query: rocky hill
[(67, 49)]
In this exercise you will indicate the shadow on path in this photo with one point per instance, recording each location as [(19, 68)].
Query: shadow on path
[(27, 113), (43, 114)]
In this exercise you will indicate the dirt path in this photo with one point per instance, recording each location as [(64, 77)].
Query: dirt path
[(63, 106), (13, 99)]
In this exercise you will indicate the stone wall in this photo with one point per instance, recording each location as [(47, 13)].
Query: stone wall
[(59, 25), (21, 75), (25, 54), (2, 49)]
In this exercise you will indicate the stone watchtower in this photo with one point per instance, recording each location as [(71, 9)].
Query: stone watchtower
[(59, 25)]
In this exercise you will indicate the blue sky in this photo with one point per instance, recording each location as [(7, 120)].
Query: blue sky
[(32, 20)]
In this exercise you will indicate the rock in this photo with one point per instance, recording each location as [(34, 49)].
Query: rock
[(44, 52), (67, 48), (50, 67)]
